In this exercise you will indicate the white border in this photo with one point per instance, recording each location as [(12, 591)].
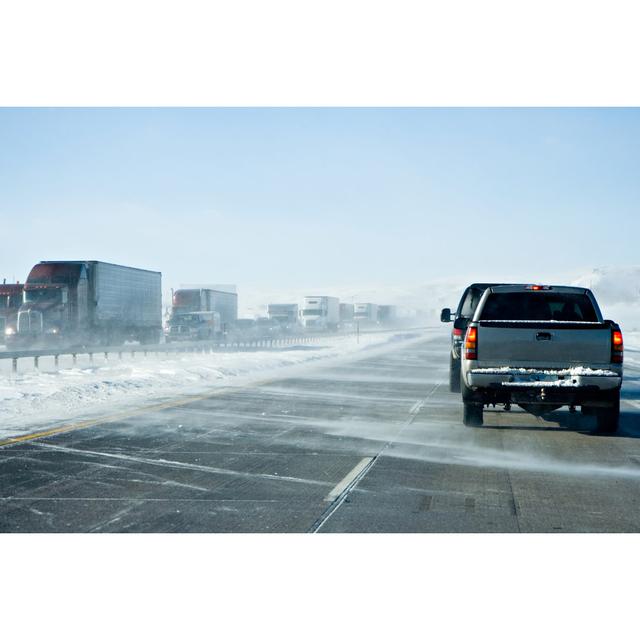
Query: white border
[(334, 52)]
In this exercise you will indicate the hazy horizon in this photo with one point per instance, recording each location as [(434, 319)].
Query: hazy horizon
[(287, 198)]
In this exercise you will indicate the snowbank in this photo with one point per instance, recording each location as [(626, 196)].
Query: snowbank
[(37, 398)]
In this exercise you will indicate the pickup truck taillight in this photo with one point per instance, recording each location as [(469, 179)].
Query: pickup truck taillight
[(471, 344), (617, 347), (457, 334)]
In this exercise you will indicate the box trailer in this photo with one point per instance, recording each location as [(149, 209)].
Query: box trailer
[(387, 314), (365, 312), (201, 313), (88, 302), (320, 313), (284, 314)]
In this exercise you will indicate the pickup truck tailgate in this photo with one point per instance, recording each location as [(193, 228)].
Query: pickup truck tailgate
[(548, 344)]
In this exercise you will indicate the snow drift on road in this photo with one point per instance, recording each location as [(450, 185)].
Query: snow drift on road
[(37, 398)]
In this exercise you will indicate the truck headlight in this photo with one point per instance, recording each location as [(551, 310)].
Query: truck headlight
[(9, 331), (53, 331)]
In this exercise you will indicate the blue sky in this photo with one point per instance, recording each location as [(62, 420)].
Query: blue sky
[(290, 197)]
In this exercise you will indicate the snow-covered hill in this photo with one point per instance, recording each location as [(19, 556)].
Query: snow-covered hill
[(618, 292)]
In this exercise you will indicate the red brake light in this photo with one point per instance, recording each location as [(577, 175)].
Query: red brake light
[(538, 287), (617, 346), (471, 344), (458, 333)]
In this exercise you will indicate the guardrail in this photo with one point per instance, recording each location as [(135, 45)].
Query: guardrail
[(202, 346), (199, 346)]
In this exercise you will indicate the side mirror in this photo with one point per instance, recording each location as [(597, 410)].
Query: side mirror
[(445, 315)]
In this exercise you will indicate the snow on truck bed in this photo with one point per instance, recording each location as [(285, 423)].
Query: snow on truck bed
[(33, 400), (574, 371)]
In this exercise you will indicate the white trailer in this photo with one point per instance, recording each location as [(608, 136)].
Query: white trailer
[(365, 312), (284, 314), (346, 312), (320, 313), (387, 314)]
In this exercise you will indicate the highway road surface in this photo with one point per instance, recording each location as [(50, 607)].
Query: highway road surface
[(370, 444)]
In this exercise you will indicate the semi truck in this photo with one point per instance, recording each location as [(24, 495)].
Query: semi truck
[(321, 313), (284, 314), (346, 313), (387, 314), (198, 325), (10, 301), (88, 302), (365, 312), (201, 314)]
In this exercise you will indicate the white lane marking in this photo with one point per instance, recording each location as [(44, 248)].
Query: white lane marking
[(161, 462), (633, 403), (416, 407), (347, 480)]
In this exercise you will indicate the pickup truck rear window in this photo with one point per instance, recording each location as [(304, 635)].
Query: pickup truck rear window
[(535, 305)]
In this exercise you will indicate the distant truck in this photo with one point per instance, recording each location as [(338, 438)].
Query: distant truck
[(10, 301), (201, 314), (198, 325), (321, 313), (87, 302), (387, 314), (268, 327), (365, 312), (285, 315), (346, 313), (194, 300)]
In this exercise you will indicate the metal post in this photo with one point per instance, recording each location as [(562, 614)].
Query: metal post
[(91, 356), (106, 355), (75, 358), (35, 362), (358, 332), (56, 360), (14, 365)]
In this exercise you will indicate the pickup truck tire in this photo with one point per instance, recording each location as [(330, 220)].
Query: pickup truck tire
[(472, 414), (454, 375), (609, 418)]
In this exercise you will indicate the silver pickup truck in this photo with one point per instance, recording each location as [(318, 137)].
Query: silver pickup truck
[(541, 347)]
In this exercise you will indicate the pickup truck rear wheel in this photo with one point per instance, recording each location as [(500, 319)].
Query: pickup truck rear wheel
[(472, 414), (454, 375), (609, 418)]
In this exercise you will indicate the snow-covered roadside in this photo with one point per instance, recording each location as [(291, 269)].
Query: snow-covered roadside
[(35, 399), (632, 348)]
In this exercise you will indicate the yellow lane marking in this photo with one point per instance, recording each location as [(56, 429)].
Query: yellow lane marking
[(75, 426)]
